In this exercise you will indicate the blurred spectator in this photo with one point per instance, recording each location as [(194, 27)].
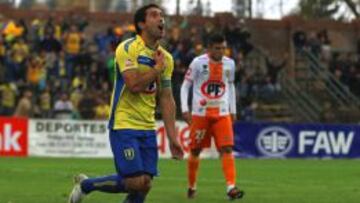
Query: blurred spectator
[(59, 72), (205, 32), (103, 41), (22, 25), (325, 45), (110, 67), (35, 33), (314, 44), (273, 68), (299, 39), (8, 98), (79, 80), (63, 107), (63, 104), (248, 112), (35, 72), (45, 103), (238, 38), (87, 106), (102, 109), (72, 45), (49, 28), (20, 52), (2, 59), (12, 30), (25, 106), (76, 96), (50, 44)]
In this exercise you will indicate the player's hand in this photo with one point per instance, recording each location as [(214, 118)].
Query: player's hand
[(159, 59), (187, 117), (233, 117), (176, 150)]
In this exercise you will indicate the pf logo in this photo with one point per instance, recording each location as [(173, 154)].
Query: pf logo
[(213, 89), (13, 137), (274, 141)]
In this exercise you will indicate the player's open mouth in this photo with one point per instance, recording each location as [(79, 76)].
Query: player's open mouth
[(161, 27)]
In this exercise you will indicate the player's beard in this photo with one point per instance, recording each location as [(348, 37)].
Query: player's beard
[(157, 33), (216, 57)]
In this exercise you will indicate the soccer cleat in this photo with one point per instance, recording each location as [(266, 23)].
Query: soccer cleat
[(235, 193), (191, 193), (126, 200), (76, 194)]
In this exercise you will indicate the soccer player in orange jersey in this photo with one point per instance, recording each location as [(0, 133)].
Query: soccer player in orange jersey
[(213, 110)]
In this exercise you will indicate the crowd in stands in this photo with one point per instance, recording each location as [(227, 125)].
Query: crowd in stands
[(62, 71), (344, 65), (53, 68)]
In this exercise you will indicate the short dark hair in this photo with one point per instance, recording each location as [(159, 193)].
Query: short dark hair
[(140, 15), (216, 37)]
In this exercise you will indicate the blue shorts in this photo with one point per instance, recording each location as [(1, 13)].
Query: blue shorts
[(135, 152)]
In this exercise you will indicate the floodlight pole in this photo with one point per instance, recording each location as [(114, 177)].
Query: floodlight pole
[(177, 7)]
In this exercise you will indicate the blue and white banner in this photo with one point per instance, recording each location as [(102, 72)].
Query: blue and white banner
[(297, 140)]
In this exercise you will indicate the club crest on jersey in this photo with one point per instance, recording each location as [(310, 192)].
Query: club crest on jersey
[(128, 63), (205, 69), (129, 153), (227, 73), (213, 89)]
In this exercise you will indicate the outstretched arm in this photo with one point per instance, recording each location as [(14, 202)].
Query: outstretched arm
[(168, 109), (232, 100), (185, 87)]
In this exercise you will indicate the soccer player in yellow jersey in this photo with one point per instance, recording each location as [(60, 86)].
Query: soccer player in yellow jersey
[(143, 69)]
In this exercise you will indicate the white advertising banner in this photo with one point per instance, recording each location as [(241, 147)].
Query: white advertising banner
[(68, 138), (74, 138)]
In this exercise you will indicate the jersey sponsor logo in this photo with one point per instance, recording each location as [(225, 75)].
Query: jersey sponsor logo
[(13, 137), (146, 61), (227, 74), (129, 63), (213, 89), (129, 153), (203, 102), (274, 141)]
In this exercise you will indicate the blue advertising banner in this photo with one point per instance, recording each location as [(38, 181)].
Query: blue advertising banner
[(276, 140)]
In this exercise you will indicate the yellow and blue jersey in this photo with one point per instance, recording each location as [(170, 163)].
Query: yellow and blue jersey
[(136, 110)]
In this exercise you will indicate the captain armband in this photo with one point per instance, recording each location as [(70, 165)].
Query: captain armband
[(165, 84)]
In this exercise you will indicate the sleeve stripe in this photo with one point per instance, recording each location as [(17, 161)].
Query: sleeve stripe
[(127, 44)]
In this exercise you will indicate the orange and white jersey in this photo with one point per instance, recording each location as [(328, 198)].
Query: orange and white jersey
[(213, 87)]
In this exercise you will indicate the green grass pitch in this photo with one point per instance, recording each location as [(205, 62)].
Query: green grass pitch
[(49, 180)]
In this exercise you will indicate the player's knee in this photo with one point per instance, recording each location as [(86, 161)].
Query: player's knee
[(225, 150), (138, 184), (195, 152), (147, 184)]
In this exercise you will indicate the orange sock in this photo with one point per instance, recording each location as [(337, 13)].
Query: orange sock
[(228, 166), (193, 165)]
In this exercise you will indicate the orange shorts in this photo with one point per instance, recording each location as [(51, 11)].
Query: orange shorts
[(203, 128)]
